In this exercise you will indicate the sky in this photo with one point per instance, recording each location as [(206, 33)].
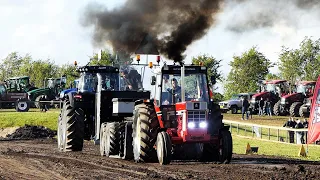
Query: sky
[(52, 29)]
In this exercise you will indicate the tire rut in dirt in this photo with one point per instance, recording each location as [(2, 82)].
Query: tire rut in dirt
[(145, 130), (294, 109)]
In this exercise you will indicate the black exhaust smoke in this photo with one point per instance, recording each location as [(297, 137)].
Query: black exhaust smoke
[(174, 24)]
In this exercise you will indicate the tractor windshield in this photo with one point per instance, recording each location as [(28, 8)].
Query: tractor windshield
[(271, 88), (87, 82), (50, 83), (195, 88), (24, 81), (109, 81), (301, 89)]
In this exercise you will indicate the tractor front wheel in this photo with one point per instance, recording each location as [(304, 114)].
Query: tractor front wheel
[(164, 148), (225, 148), (22, 105)]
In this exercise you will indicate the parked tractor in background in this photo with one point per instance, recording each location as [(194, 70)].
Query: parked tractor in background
[(13, 93), (272, 90), (52, 89), (291, 103), (304, 110)]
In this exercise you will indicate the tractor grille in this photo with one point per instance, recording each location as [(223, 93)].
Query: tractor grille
[(196, 116)]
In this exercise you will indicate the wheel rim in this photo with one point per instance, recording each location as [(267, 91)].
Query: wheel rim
[(102, 149), (107, 142), (160, 150), (137, 140), (22, 106)]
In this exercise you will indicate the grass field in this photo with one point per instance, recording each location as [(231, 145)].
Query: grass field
[(10, 118)]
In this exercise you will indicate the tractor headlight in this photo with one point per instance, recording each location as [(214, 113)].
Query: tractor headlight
[(191, 125), (203, 124)]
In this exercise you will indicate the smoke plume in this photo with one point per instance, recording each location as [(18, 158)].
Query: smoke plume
[(173, 24), (248, 15)]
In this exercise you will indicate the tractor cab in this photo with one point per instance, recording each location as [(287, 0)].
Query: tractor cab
[(278, 87), (177, 92), (306, 87)]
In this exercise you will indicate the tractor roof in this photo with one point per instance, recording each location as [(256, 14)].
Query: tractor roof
[(275, 81), (98, 69), (306, 82), (189, 69), (19, 77)]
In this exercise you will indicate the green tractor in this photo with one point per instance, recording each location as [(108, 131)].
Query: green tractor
[(13, 93), (19, 84), (52, 89)]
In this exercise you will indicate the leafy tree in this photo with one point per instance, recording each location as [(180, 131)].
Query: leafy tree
[(245, 72), (302, 63), (212, 65), (217, 97), (271, 76), (109, 59), (13, 65)]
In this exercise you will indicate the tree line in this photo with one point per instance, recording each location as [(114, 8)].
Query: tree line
[(247, 69)]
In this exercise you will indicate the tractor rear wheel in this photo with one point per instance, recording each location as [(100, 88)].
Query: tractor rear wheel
[(102, 139), (71, 129), (302, 113), (276, 109), (22, 105), (145, 129), (37, 103), (294, 109), (164, 148), (112, 139), (127, 142), (225, 148)]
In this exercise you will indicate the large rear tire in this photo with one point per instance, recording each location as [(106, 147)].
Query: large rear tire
[(71, 128), (225, 148), (112, 139), (164, 148), (276, 109), (294, 109), (145, 129), (302, 113)]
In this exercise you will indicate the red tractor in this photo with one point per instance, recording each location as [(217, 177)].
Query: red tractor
[(291, 103), (272, 90), (190, 124)]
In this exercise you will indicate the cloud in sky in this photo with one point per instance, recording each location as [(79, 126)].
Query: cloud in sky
[(52, 29)]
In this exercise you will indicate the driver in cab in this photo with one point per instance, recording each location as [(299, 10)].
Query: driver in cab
[(174, 92)]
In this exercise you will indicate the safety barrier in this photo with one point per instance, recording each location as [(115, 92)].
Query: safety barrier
[(271, 133)]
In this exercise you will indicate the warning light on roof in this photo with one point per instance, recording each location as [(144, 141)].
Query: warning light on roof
[(138, 58), (200, 63), (150, 65), (75, 63), (158, 59)]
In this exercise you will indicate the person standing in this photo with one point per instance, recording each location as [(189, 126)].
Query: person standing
[(245, 106), (261, 105), (268, 107)]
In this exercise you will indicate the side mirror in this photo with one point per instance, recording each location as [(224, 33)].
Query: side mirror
[(213, 79), (153, 80)]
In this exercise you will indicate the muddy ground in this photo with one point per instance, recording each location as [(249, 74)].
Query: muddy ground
[(40, 159)]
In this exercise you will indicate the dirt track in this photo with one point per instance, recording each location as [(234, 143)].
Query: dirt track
[(40, 159)]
